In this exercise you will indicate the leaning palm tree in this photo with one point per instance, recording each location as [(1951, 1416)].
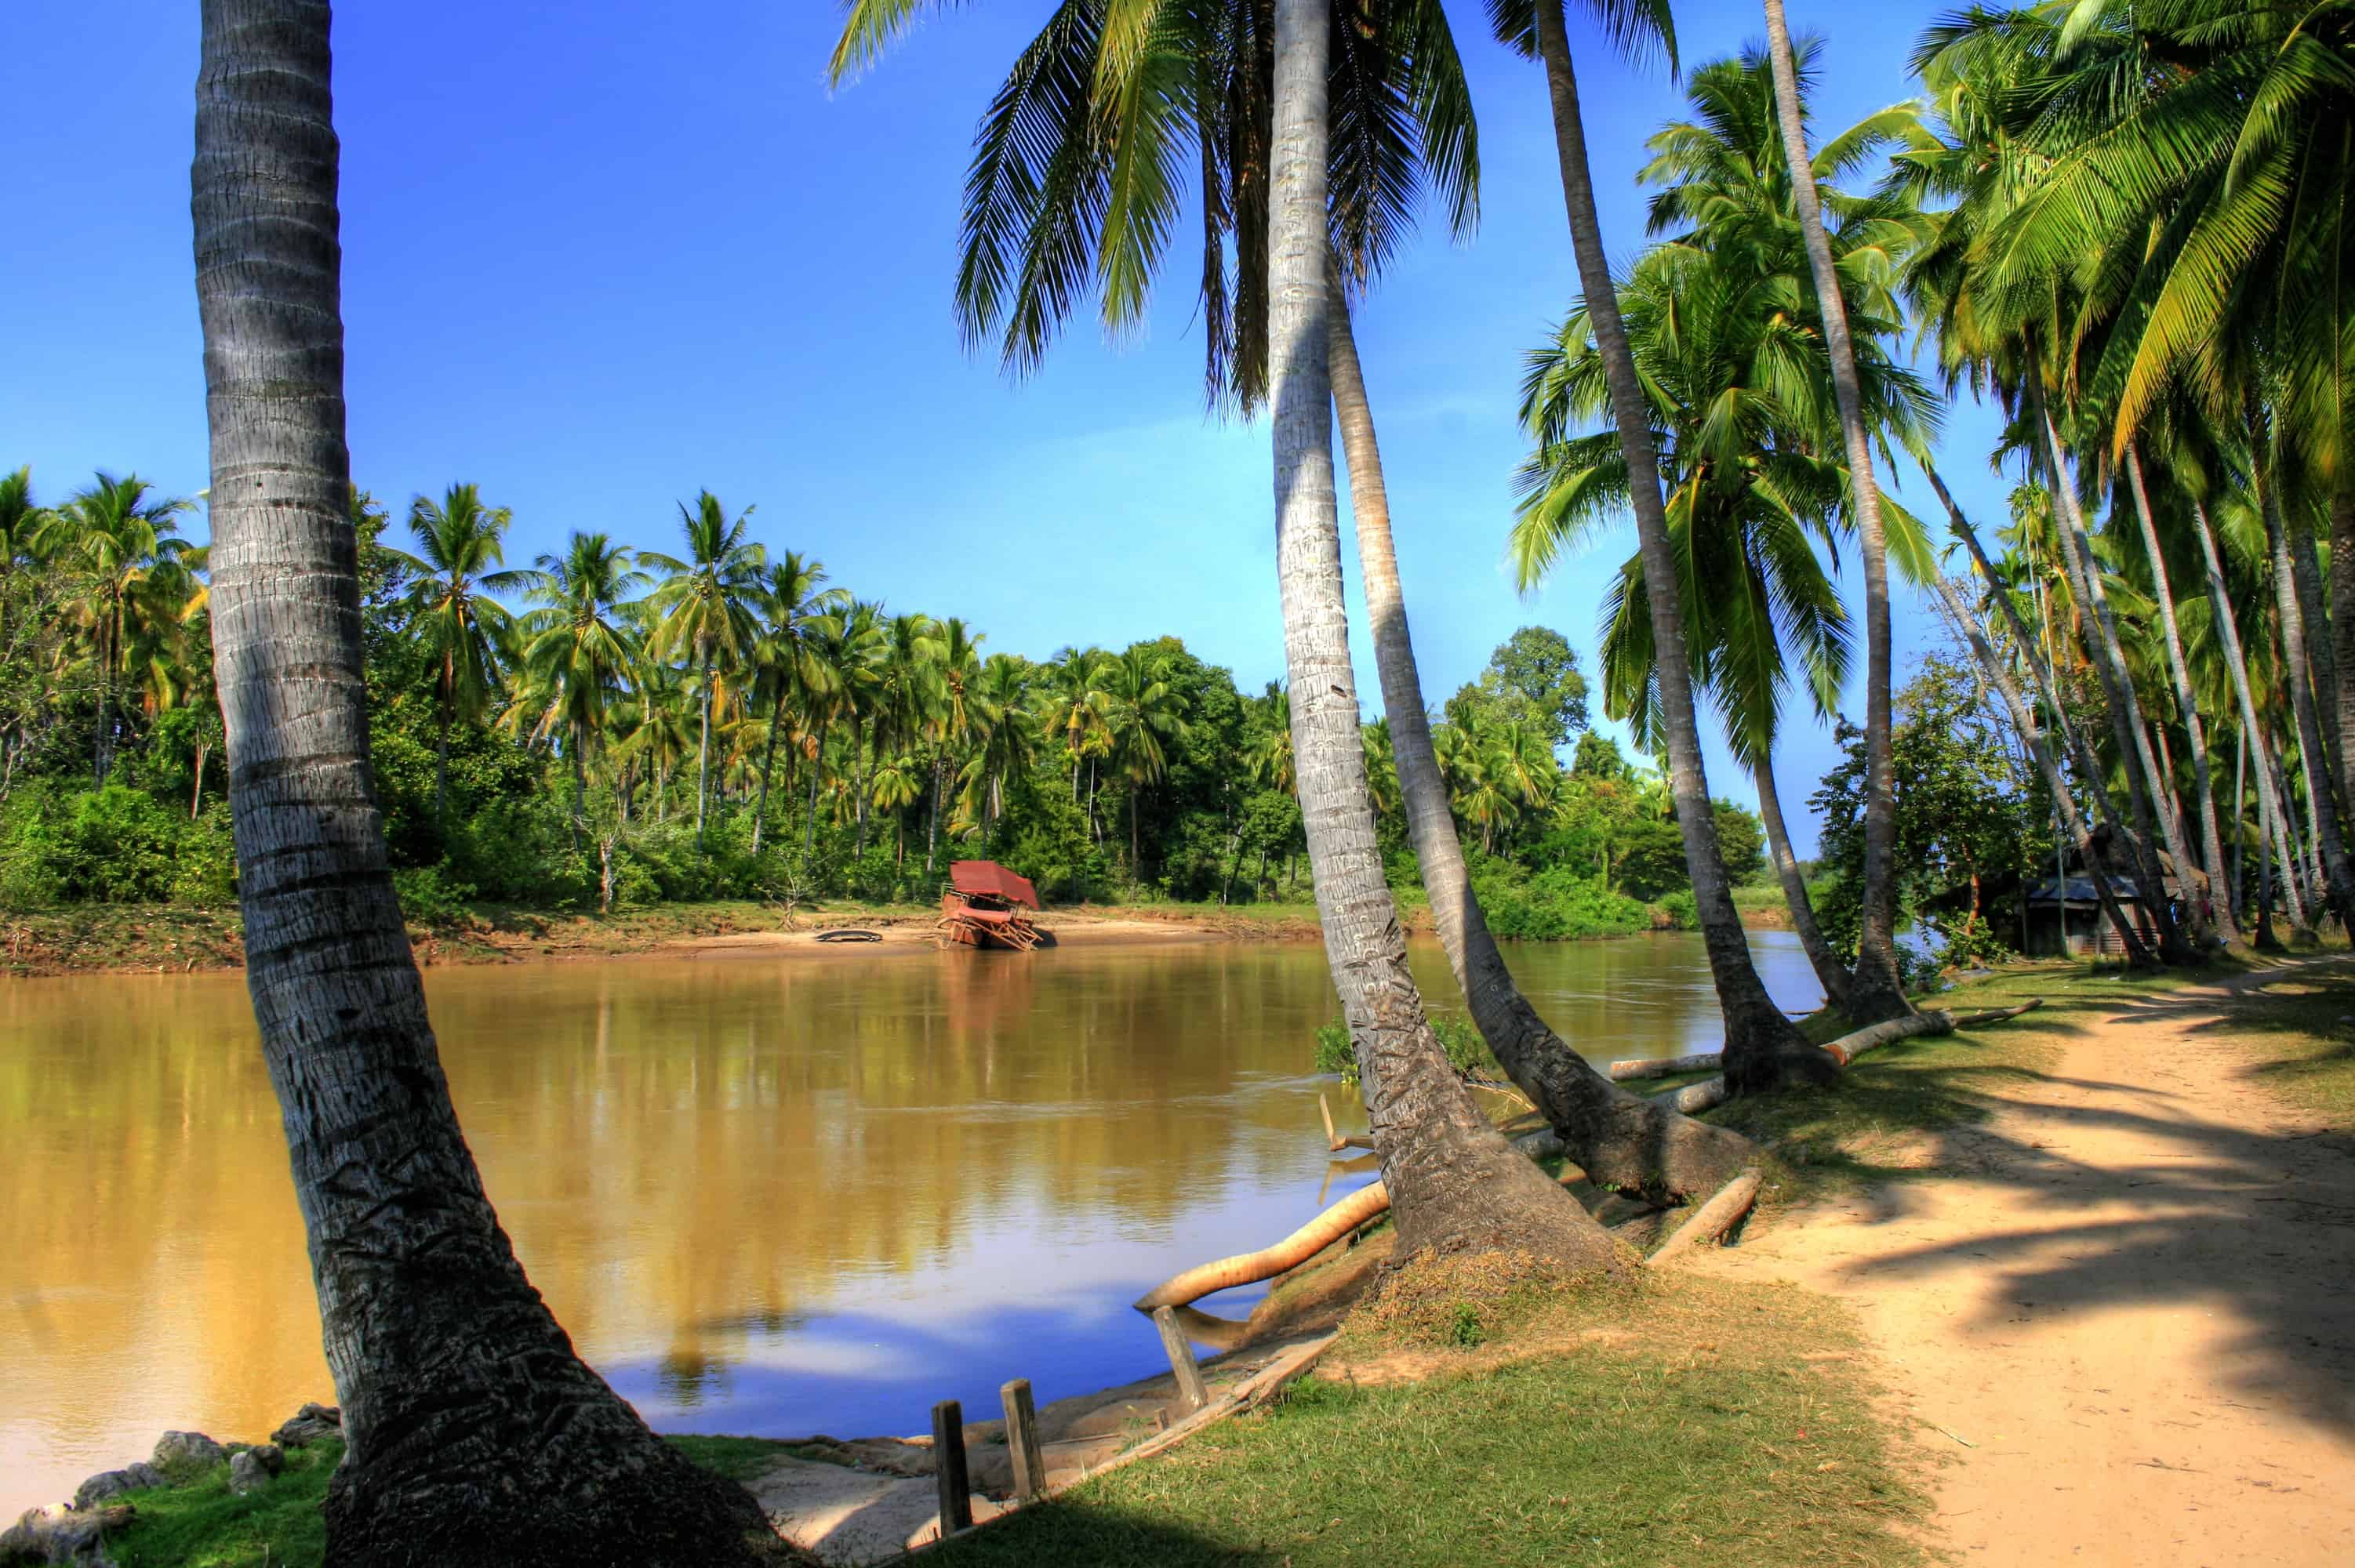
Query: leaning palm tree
[(577, 650), (462, 629), (1757, 1035), (474, 1434), (705, 610)]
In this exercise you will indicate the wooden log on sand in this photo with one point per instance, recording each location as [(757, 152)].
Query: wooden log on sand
[(1248, 1268), (1844, 1048), (1711, 1220), (1665, 1066)]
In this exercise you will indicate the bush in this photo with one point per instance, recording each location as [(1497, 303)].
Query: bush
[(1468, 1053), (1554, 904), (1682, 909), (115, 845), (431, 898)]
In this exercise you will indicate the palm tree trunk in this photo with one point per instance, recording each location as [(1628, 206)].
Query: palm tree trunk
[(1829, 972), (2065, 804), (2266, 941), (1620, 1140), (1135, 871), (817, 770), (703, 750), (2135, 757), (442, 759), (1875, 993), (474, 1434), (2322, 809), (97, 755), (196, 799), (2341, 698), (2240, 814), (2272, 814), (1454, 1183), (933, 818), (2322, 658), (768, 764), (579, 782), (1761, 1044), (2210, 841)]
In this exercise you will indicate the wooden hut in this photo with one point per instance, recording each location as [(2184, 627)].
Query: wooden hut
[(986, 905), (2065, 917)]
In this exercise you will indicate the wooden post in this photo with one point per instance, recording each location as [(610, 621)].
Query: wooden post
[(1022, 1439), (948, 1467), (1191, 1393)]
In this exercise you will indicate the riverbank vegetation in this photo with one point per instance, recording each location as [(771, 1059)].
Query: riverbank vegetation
[(542, 742)]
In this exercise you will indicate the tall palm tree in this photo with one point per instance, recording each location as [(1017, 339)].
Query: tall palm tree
[(21, 519), (847, 645), (1144, 715), (956, 717), (1075, 711), (1761, 1046), (126, 542), (1006, 743), (463, 630), (796, 610), (1875, 992), (474, 1434), (576, 648), (705, 610), (1455, 1184)]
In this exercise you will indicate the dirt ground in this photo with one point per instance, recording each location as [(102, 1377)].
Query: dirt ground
[(2124, 1323)]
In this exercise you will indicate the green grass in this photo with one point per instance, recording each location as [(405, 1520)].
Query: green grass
[(2298, 1037), (200, 1523), (1636, 1425)]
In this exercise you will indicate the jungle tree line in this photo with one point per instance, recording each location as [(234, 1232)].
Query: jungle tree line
[(621, 724), (2139, 232)]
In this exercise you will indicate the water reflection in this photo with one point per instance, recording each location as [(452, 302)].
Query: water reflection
[(765, 1196)]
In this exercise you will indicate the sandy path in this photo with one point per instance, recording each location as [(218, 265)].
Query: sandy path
[(2136, 1300)]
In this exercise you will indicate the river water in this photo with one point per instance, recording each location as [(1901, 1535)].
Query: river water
[(774, 1195)]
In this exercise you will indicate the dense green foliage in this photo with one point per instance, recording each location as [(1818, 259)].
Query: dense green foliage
[(617, 727)]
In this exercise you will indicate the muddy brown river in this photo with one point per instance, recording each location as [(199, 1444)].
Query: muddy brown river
[(773, 1195)]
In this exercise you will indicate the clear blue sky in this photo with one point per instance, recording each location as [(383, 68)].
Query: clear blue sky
[(600, 255)]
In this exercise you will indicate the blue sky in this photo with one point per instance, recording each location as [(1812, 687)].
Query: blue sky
[(600, 255)]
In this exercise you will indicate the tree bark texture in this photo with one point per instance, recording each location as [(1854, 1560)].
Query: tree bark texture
[(2211, 843), (2341, 694), (1875, 992), (475, 1435), (1623, 1141), (2322, 808), (1455, 1182), (1760, 1044)]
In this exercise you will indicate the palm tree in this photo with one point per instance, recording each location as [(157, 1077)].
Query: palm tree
[(576, 648), (897, 785), (1758, 1036), (847, 645), (1006, 747), (439, 1347), (462, 629), (796, 610), (1268, 753), (705, 607), (22, 521), (1875, 992), (1144, 713), (127, 545), (1074, 711), (1455, 1184), (957, 716)]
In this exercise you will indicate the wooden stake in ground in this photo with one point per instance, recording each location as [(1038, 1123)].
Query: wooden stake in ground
[(1192, 1393), (949, 1469), (1022, 1439)]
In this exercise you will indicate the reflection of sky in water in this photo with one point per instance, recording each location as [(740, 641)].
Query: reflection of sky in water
[(765, 1198)]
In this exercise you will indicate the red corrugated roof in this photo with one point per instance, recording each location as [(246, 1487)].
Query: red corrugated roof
[(987, 876)]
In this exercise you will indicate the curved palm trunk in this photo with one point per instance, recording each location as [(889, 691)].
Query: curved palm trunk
[(2135, 757), (2322, 809), (2023, 719), (1875, 993), (1620, 1140), (1829, 972), (2273, 816), (473, 1434), (1761, 1044), (1454, 1183), (2211, 842)]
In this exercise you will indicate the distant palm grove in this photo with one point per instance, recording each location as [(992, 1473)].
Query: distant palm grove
[(618, 724)]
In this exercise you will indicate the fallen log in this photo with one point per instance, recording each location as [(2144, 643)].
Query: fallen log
[(1248, 1268), (1844, 1050), (1665, 1066), (1711, 1220)]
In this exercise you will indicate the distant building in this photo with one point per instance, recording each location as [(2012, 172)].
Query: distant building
[(2065, 917)]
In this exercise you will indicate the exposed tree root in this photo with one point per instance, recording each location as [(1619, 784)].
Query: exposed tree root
[(1710, 1091), (1711, 1220), (1248, 1268)]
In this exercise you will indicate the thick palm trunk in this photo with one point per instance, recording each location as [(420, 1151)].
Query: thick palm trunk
[(1454, 1183), (2023, 719), (2322, 809), (2211, 842), (1829, 972), (2141, 767), (1761, 1044), (1875, 993), (474, 1434), (2272, 815), (1620, 1140)]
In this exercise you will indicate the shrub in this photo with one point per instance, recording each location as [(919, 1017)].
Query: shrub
[(1468, 1053), (1554, 904), (431, 898), (115, 845), (1682, 909)]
